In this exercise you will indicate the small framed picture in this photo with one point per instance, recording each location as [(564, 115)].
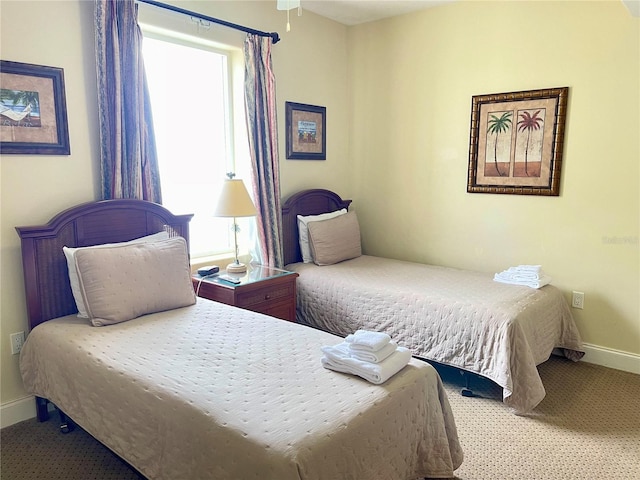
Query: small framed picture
[(33, 112), (516, 142), (306, 131)]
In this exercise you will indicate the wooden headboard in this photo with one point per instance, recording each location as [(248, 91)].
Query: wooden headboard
[(46, 278), (305, 202)]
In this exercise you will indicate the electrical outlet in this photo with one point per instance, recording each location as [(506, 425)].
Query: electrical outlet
[(17, 340), (577, 300)]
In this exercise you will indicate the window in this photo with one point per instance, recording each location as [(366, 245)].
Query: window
[(192, 105)]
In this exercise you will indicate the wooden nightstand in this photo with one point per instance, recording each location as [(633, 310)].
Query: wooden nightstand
[(261, 289)]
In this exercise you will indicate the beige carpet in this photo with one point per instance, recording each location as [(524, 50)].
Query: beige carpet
[(588, 427)]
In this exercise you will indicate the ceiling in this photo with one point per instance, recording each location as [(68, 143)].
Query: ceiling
[(354, 12)]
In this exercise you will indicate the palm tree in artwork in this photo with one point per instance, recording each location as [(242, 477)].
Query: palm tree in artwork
[(496, 127), (528, 122)]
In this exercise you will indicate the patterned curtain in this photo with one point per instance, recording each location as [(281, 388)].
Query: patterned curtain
[(260, 104), (128, 150)]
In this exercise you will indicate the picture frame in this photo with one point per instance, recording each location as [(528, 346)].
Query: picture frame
[(33, 113), (306, 131), (516, 142)]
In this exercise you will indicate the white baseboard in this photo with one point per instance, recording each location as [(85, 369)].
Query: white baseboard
[(608, 357), (17, 411), (20, 410), (25, 408)]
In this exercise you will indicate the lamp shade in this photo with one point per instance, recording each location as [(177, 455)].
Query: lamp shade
[(234, 200)]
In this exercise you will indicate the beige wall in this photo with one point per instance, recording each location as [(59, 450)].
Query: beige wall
[(412, 79), (398, 127)]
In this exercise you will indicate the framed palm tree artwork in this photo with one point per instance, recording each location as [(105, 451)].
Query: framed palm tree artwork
[(516, 142), (33, 114)]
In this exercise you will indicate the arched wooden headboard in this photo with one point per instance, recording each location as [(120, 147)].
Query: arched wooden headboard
[(46, 278), (305, 202)]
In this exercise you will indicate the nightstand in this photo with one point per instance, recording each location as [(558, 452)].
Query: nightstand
[(262, 289)]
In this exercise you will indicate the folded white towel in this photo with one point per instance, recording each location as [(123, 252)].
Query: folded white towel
[(337, 358), (374, 357), (532, 282), (527, 275), (523, 273), (368, 341)]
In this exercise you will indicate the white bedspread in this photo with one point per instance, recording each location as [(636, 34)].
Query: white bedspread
[(455, 317), (215, 392)]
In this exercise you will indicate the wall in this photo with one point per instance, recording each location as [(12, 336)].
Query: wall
[(412, 79), (310, 67)]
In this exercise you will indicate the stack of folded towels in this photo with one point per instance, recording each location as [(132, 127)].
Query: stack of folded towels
[(528, 275), (370, 355)]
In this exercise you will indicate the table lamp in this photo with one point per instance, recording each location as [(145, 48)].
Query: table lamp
[(234, 201)]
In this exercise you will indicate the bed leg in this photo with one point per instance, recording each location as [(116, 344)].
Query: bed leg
[(66, 424), (42, 409), (466, 391)]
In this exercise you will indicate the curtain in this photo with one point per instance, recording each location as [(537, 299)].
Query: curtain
[(128, 154), (260, 104)]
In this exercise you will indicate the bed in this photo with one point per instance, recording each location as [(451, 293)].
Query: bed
[(192, 388), (449, 316)]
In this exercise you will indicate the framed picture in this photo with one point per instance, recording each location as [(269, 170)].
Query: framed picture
[(516, 142), (306, 127), (33, 112)]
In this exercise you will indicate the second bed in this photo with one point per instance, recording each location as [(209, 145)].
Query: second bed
[(450, 316)]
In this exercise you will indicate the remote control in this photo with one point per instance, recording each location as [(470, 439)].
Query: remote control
[(229, 278)]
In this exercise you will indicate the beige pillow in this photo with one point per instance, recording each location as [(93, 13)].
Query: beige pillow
[(335, 240), (303, 231), (70, 253), (123, 282)]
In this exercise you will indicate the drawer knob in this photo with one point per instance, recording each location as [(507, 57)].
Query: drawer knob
[(267, 296)]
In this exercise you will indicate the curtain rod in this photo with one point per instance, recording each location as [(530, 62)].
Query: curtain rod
[(274, 35)]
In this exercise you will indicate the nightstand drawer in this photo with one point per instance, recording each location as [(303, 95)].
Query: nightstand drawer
[(265, 295)]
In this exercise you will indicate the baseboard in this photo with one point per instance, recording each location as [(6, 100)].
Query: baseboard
[(17, 411), (608, 357), (20, 410)]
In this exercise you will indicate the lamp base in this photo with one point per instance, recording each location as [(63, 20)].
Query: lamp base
[(236, 267)]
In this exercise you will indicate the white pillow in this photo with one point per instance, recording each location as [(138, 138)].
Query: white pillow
[(303, 231), (124, 282), (70, 253)]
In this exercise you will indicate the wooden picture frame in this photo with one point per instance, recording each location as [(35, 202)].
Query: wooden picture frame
[(306, 131), (33, 113), (516, 142)]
